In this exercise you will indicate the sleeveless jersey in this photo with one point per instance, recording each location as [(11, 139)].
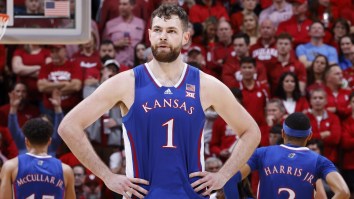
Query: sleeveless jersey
[(39, 177), (163, 134), (288, 172)]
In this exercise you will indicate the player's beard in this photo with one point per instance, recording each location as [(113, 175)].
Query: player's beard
[(163, 56)]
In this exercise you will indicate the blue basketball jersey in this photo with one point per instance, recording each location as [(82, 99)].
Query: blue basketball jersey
[(288, 172), (39, 177), (163, 134)]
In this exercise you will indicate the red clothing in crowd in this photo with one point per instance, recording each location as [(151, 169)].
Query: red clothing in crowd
[(348, 144), (276, 69), (70, 159), (299, 31), (28, 112), (90, 65), (218, 55), (30, 59), (340, 102), (329, 122), (301, 105), (66, 72), (348, 74), (199, 13), (231, 70), (236, 21), (8, 146), (223, 137), (2, 58), (264, 53), (254, 99)]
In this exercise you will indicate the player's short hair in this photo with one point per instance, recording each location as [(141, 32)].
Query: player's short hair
[(298, 122), (166, 11), (248, 60), (37, 131)]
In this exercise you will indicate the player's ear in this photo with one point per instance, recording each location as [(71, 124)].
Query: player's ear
[(282, 134), (28, 144), (309, 137), (186, 37), (49, 141)]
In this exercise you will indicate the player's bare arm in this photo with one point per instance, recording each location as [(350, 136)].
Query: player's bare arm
[(338, 186), (118, 89), (7, 176), (69, 182), (216, 95)]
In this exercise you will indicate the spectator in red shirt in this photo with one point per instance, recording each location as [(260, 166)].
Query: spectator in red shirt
[(254, 93), (349, 72), (264, 50), (285, 62), (26, 63), (250, 27), (89, 61), (337, 97), (203, 9), (222, 47), (316, 73), (299, 24), (347, 146), (325, 125), (339, 29), (7, 145), (26, 110), (288, 91), (236, 19), (231, 70), (61, 74)]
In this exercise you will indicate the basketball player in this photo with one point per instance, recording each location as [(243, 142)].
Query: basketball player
[(163, 104), (291, 170), (36, 175)]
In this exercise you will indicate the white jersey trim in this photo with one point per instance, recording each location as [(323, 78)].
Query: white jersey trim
[(128, 154), (157, 81), (39, 156), (295, 148)]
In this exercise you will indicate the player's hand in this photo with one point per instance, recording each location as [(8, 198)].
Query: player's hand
[(126, 186), (208, 181)]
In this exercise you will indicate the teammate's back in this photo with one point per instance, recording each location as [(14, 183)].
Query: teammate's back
[(293, 171), (36, 175)]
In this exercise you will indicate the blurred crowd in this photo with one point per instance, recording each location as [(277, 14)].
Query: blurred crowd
[(276, 56)]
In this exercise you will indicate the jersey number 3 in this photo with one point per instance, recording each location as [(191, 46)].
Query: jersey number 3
[(43, 197), (169, 125), (291, 192)]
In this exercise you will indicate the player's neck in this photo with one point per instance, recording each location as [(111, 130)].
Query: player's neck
[(167, 72), (294, 143), (38, 151)]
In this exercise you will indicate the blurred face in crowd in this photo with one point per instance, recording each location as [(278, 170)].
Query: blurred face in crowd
[(267, 29), (284, 46), (169, 2), (240, 47), (107, 50), (125, 8), (319, 65), (247, 70), (318, 100), (314, 148), (212, 166), (289, 84), (211, 31), (20, 90), (249, 4), (299, 9), (274, 110), (90, 44), (140, 49), (58, 55), (335, 76), (345, 45), (33, 6), (274, 138), (167, 38), (316, 31), (190, 29), (79, 174), (224, 32), (339, 30), (249, 22)]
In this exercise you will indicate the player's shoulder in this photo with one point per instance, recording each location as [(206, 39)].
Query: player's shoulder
[(210, 82), (10, 165), (66, 168)]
